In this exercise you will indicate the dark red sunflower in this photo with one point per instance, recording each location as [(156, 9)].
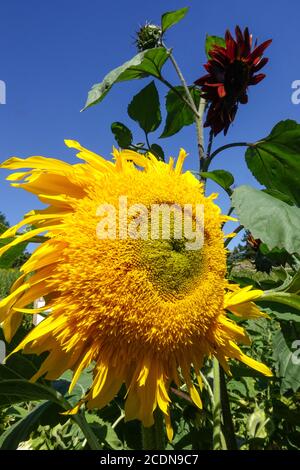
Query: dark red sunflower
[(231, 69)]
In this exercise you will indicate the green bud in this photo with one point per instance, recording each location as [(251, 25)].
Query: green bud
[(148, 37)]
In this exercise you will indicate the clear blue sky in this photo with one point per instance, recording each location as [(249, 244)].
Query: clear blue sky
[(53, 51)]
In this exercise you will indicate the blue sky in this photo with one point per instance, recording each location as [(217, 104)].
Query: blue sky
[(53, 51)]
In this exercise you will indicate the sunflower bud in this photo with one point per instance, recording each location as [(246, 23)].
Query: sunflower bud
[(148, 37)]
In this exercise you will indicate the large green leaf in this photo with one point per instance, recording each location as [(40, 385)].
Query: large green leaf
[(45, 413), (273, 221), (212, 41), (170, 18), (122, 134), (223, 178), (142, 65), (179, 113), (145, 108), (275, 160), (18, 390), (285, 352)]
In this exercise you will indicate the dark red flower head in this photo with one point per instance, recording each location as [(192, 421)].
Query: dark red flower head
[(231, 69)]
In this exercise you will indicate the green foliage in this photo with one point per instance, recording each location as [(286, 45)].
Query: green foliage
[(142, 65), (145, 108), (179, 113), (122, 134), (275, 160), (158, 152), (172, 17), (273, 221), (212, 41), (7, 278), (223, 178), (286, 343), (21, 430), (8, 259)]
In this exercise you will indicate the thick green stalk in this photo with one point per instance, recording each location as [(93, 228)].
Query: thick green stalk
[(227, 417), (218, 438), (216, 407), (153, 438)]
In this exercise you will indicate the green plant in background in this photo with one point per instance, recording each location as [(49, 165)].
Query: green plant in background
[(241, 411)]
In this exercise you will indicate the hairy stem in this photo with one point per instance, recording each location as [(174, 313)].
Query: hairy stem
[(184, 84), (200, 136), (180, 95), (218, 438), (227, 417)]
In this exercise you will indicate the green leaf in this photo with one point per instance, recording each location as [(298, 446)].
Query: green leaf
[(20, 431), (145, 108), (122, 134), (142, 65), (285, 352), (158, 152), (170, 18), (11, 255), (275, 160), (257, 424), (273, 221), (291, 300), (18, 390), (178, 112), (223, 178), (212, 41), (280, 311)]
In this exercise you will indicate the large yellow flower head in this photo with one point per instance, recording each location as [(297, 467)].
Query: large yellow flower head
[(144, 311)]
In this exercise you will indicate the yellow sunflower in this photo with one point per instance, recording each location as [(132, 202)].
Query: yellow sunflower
[(145, 312)]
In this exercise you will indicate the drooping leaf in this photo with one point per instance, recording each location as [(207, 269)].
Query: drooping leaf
[(223, 178), (122, 134), (46, 413), (275, 160), (145, 108), (273, 221), (178, 112), (158, 152), (212, 41), (142, 65), (18, 390), (285, 352), (170, 18)]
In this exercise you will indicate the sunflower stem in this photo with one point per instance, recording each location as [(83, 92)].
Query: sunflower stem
[(184, 84), (153, 438), (200, 136), (218, 438), (174, 89), (227, 417)]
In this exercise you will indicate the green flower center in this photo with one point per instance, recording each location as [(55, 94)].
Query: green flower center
[(170, 266)]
